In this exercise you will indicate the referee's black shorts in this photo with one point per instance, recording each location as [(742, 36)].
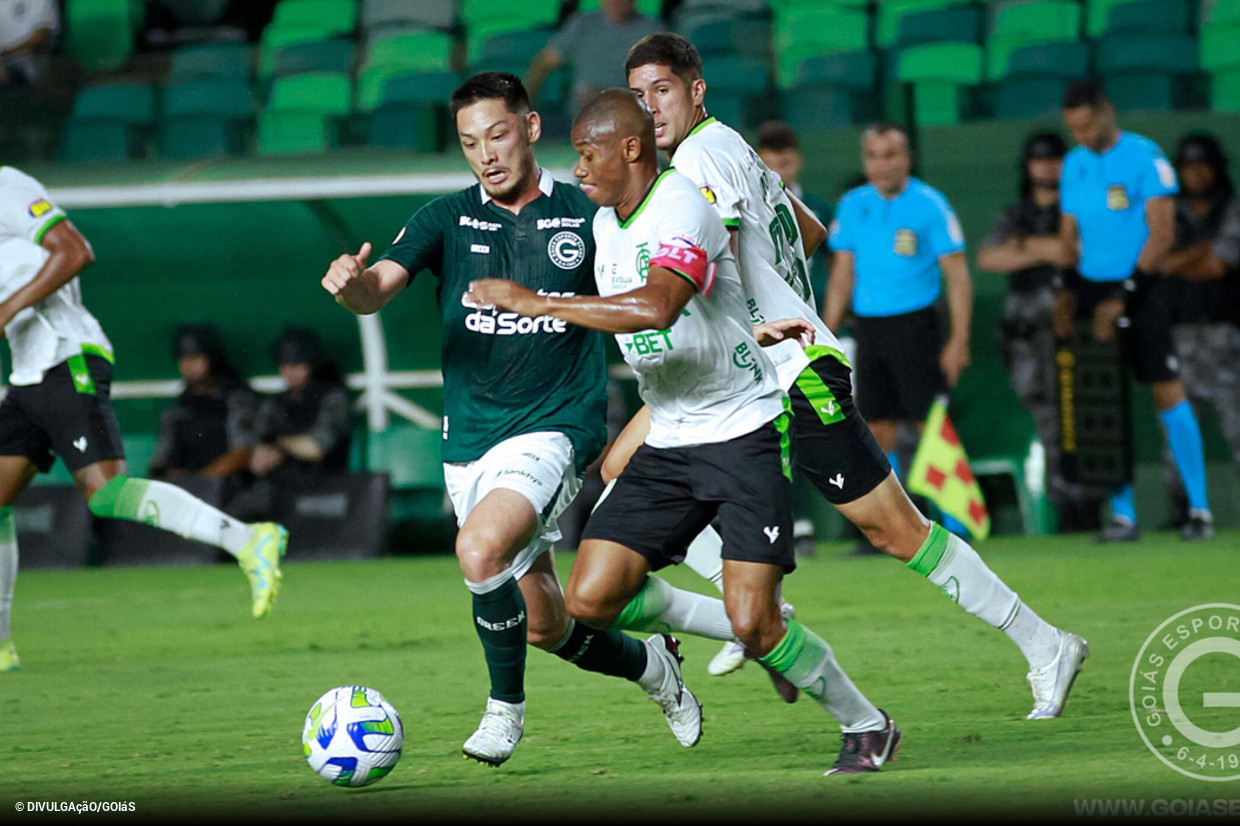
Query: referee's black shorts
[(1146, 336), (897, 370)]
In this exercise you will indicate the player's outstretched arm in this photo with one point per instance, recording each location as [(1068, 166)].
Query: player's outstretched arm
[(360, 289), (839, 289), (654, 306), (70, 254), (956, 355)]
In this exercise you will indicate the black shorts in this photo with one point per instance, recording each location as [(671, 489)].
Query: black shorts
[(1145, 329), (667, 496), (833, 446), (67, 414), (898, 372)]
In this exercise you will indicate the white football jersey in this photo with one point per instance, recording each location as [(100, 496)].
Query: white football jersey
[(749, 197), (58, 327), (705, 379)]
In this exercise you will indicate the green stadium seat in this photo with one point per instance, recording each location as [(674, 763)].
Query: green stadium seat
[(518, 46), (891, 12), (199, 12), (1098, 15), (554, 90), (221, 98), (1070, 60), (409, 454), (210, 60), (433, 14), (484, 18), (335, 55), (817, 107), (1220, 13), (373, 79), (849, 70), (1030, 24), (293, 133), (328, 16), (958, 63), (427, 51), (1225, 91), (405, 126), (124, 102), (323, 93), (99, 33), (746, 37), (1175, 54), (420, 87), (198, 137), (650, 8), (1158, 16), (1220, 48), (1029, 97), (276, 38), (800, 33), (1141, 91), (961, 24), (737, 75), (95, 140)]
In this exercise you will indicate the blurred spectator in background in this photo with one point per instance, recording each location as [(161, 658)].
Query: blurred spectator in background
[(303, 431), (209, 429), (1204, 266), (1024, 243), (1117, 199), (780, 150), (28, 29), (594, 44)]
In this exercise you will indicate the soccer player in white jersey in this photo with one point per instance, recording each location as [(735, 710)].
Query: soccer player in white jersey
[(58, 403), (718, 444), (834, 447)]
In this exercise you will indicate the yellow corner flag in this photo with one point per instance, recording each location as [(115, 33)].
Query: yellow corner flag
[(941, 472)]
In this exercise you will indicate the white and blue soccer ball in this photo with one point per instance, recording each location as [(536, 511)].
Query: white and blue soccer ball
[(352, 736)]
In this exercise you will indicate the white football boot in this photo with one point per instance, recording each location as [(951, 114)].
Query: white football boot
[(680, 707), (498, 733), (1053, 681)]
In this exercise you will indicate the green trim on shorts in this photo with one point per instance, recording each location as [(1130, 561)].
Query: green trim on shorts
[(89, 349), (82, 381), (783, 423), (817, 351), (46, 228), (931, 551), (820, 396)]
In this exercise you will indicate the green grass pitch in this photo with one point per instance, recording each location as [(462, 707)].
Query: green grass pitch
[(153, 685)]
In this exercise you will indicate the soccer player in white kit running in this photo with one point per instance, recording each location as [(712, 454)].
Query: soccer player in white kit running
[(58, 403), (718, 444), (834, 447)]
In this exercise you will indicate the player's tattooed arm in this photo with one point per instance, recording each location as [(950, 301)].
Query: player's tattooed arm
[(654, 306), (70, 254), (360, 289)]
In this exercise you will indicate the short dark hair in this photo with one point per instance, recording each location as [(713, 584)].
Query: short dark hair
[(1084, 93), (882, 127), (666, 49), (777, 136), (492, 86)]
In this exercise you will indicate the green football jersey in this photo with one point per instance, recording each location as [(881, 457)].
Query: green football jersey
[(505, 374)]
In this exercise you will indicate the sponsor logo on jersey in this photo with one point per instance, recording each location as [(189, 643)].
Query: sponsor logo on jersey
[(39, 208), (474, 223), (560, 223), (481, 249), (1117, 197), (490, 323), (906, 242), (642, 262), (566, 250), (709, 194), (743, 358)]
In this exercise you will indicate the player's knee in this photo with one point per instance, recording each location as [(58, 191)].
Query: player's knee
[(758, 630), (593, 609), (479, 560)]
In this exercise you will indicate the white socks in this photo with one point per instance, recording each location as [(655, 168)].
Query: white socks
[(660, 608), (169, 508), (705, 556)]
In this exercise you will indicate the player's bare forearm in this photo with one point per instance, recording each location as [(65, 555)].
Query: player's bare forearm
[(839, 290), (1160, 217), (234, 461), (959, 295), (70, 254), (300, 446), (813, 233), (362, 290), (1196, 262), (1069, 240), (653, 306)]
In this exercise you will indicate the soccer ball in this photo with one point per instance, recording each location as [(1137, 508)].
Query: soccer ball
[(352, 736)]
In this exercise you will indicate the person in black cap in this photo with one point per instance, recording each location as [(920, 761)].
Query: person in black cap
[(1204, 266), (1024, 243), (209, 429), (303, 431)]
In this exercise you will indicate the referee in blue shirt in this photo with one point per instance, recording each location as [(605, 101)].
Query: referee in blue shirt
[(1117, 198), (895, 240)]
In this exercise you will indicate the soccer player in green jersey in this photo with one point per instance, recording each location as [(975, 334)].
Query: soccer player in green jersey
[(524, 404)]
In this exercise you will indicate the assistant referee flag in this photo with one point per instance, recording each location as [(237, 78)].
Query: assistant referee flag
[(941, 472)]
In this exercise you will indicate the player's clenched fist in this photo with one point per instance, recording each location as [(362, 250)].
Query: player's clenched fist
[(346, 269)]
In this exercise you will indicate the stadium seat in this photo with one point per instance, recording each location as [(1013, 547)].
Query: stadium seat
[(99, 33), (132, 543), (1029, 24), (653, 8), (432, 14), (746, 37), (344, 516), (1069, 60), (328, 16), (950, 24), (939, 73), (275, 38), (1225, 91), (516, 46), (204, 118), (1219, 13), (483, 18), (198, 12), (1156, 16), (224, 98), (411, 457), (199, 137), (891, 12), (1029, 97), (737, 75), (323, 93), (1174, 54), (294, 133), (420, 87), (1098, 15), (1220, 48), (804, 32), (126, 102), (334, 55), (225, 60), (405, 126), (818, 106), (850, 70), (53, 526), (426, 51), (1141, 91)]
